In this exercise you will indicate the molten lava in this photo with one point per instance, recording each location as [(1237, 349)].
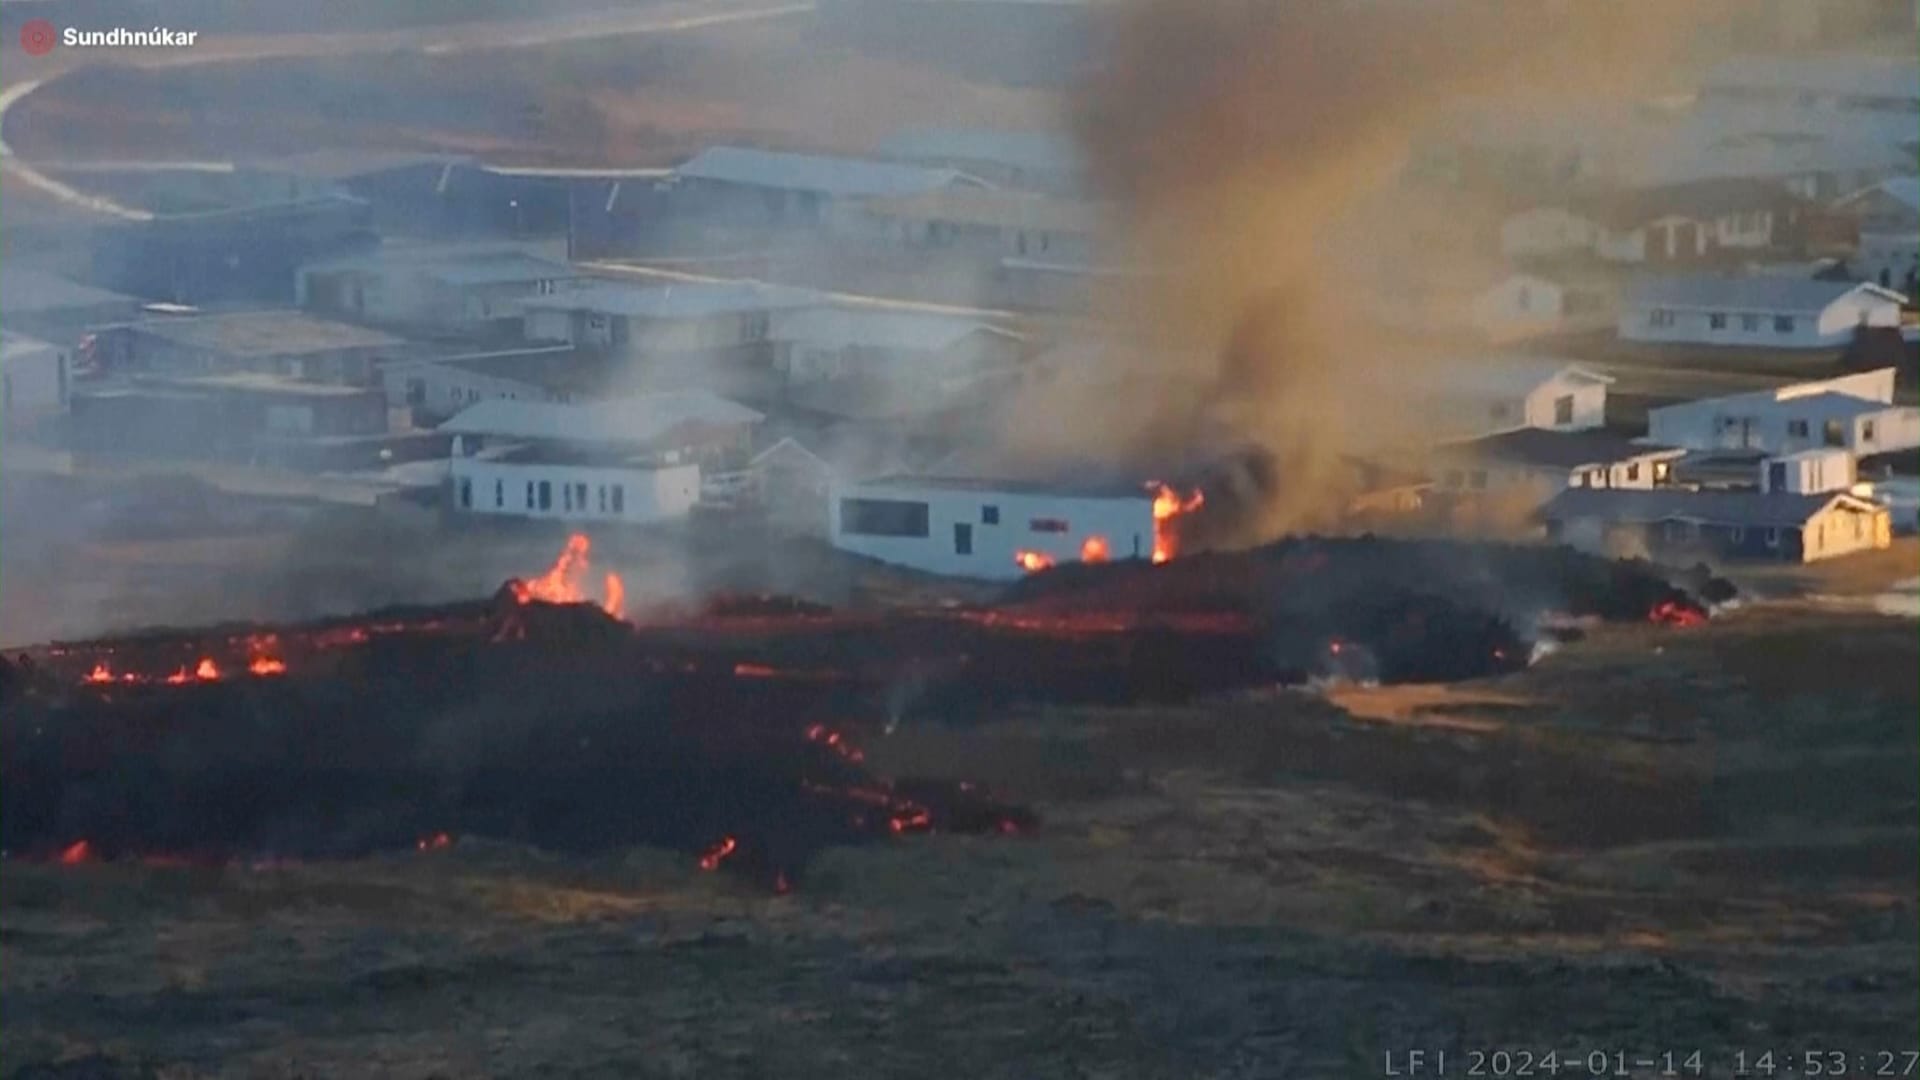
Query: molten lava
[(206, 671), (1032, 561), (1168, 504), (1094, 550), (1676, 613), (101, 673), (267, 665), (561, 584), (76, 853), (718, 853)]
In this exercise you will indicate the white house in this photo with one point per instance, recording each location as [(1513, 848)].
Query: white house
[(772, 187), (35, 380), (438, 286), (1536, 463), (635, 460), (992, 224), (1888, 215), (1763, 311), (1677, 223), (988, 529), (689, 317), (1523, 305), (909, 349), (1852, 412), (1499, 393), (441, 386)]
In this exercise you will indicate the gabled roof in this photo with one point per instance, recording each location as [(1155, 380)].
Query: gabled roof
[(638, 420), (681, 300), (839, 176), (1904, 190), (1542, 448), (1511, 375), (1763, 293), (839, 328), (1774, 509)]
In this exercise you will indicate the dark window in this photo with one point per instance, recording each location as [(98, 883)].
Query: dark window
[(619, 498), (1833, 434), (1773, 537), (546, 495), (1633, 472), (1660, 317), (580, 496), (466, 494), (1866, 431), (1750, 323), (600, 496), (1717, 321), (962, 538), (989, 515), (499, 494), (1563, 409), (1783, 324), (529, 494), (566, 496), (883, 517), (1049, 525), (1797, 429)]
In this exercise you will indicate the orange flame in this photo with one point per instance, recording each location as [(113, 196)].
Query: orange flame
[(561, 584), (76, 853), (267, 665), (1167, 505), (1094, 550), (179, 676), (206, 671), (718, 853), (1032, 561), (100, 674)]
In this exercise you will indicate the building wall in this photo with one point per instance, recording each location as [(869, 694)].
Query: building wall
[(804, 362), (644, 495), (1125, 523), (437, 391), (1885, 431), (34, 382), (1756, 329), (1519, 304), (1589, 405), (1546, 231)]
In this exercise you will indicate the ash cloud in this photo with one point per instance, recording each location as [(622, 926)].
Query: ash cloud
[(1251, 146)]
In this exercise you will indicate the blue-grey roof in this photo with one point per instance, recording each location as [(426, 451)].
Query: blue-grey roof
[(847, 177), (1775, 509), (1075, 488), (501, 269), (1763, 293), (682, 300), (23, 291), (1028, 151)]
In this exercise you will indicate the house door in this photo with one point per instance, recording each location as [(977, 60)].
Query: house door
[(1777, 476), (963, 538)]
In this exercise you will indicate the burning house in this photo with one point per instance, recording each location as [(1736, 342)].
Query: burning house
[(635, 460), (997, 529)]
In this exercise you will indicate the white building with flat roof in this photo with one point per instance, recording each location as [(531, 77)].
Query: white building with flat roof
[(1852, 412), (1762, 311)]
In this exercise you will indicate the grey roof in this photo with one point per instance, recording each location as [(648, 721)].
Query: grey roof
[(1904, 190), (682, 300), (1776, 509), (904, 331), (24, 291), (635, 420), (984, 485), (1764, 293), (263, 333), (1552, 449), (1497, 374), (1029, 151), (850, 177), (463, 264), (502, 269)]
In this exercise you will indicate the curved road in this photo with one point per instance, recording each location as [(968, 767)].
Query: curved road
[(428, 41)]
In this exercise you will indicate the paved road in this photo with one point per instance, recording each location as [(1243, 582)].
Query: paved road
[(430, 41)]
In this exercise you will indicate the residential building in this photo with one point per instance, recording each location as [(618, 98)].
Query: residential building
[(1700, 221), (1022, 160), (1871, 97), (1682, 524), (248, 254), (1533, 464), (464, 289), (989, 529), (1762, 311), (55, 309), (689, 317), (1808, 472), (35, 382), (1888, 216), (634, 460), (288, 343), (990, 224), (916, 352), (1852, 412), (438, 387), (1482, 394), (1526, 305), (766, 187)]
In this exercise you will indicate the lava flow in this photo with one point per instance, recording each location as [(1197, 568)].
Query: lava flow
[(1168, 505), (1033, 561), (1677, 613), (561, 584)]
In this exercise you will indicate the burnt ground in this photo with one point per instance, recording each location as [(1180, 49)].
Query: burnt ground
[(1654, 838)]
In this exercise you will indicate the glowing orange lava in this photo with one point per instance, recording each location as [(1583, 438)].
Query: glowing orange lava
[(561, 584), (100, 674), (76, 853), (179, 676), (1167, 505), (718, 853), (207, 671), (1094, 550), (1032, 561), (267, 665)]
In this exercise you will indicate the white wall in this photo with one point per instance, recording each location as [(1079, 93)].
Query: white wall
[(1855, 309), (646, 495), (1757, 329), (1589, 404), (1779, 427), (33, 380), (1522, 303), (446, 389), (1125, 523), (1893, 429)]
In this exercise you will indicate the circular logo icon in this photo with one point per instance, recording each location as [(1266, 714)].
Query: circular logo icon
[(38, 37)]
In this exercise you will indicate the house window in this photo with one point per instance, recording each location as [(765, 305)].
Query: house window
[(1832, 434), (1773, 538), (1049, 525), (580, 496), (466, 494), (1750, 323), (1660, 317), (546, 495), (1563, 409), (529, 494), (1737, 534), (1717, 321), (1478, 480), (1796, 429), (883, 517), (1866, 431), (619, 498), (989, 515), (963, 538), (566, 497), (1783, 324), (600, 497), (754, 327), (1633, 472), (544, 287), (1597, 478), (499, 494), (1661, 470)]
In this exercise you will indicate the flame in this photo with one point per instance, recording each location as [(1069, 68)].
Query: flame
[(76, 853), (718, 853), (434, 842), (1094, 550), (832, 739), (1675, 613), (1167, 505), (206, 671), (1032, 561), (561, 584), (267, 665), (100, 674), (745, 670), (179, 676)]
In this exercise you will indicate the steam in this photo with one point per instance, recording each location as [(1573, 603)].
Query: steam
[(1252, 145)]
